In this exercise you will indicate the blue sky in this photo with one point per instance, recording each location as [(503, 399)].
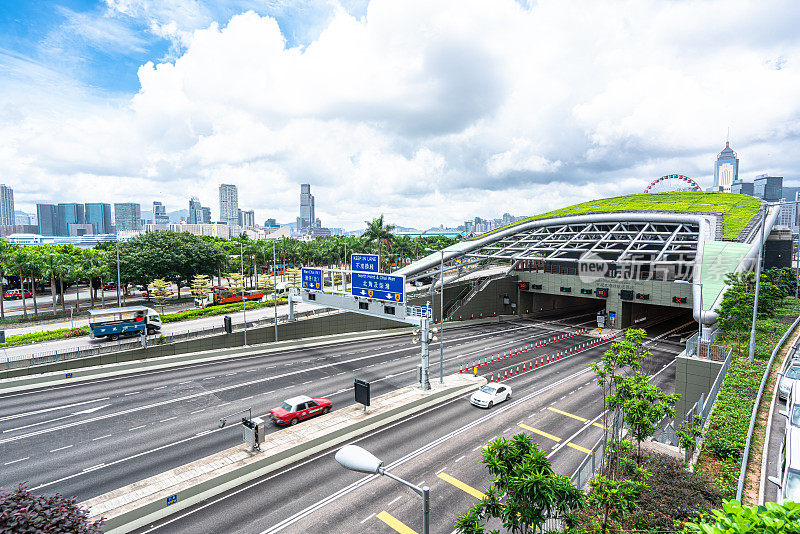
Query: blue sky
[(429, 111), (102, 44)]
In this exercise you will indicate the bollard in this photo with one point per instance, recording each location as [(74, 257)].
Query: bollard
[(475, 370)]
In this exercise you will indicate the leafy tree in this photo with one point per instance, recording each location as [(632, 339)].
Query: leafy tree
[(614, 497), (621, 357), (264, 284), (525, 490), (22, 511), (18, 261), (235, 282), (689, 433), (201, 286), (161, 292), (5, 254), (644, 406), (294, 277), (771, 518), (50, 269), (783, 278)]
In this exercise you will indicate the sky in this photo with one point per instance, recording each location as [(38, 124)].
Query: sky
[(430, 112)]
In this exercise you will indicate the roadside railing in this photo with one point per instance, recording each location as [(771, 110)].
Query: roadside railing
[(15, 361), (707, 349), (754, 413)]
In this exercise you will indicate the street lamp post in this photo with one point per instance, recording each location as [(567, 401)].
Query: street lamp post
[(119, 304), (441, 313), (275, 287), (357, 459), (244, 302)]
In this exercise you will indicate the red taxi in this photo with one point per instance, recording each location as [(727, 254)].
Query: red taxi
[(15, 294), (291, 411)]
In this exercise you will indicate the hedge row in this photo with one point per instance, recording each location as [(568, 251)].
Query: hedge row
[(47, 335), (216, 310)]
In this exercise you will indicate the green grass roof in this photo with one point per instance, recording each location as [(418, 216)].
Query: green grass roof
[(736, 210)]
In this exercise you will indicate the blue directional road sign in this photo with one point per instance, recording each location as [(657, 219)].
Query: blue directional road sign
[(364, 262), (312, 279), (379, 286)]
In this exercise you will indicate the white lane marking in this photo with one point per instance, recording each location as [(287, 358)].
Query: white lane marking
[(440, 470), (61, 448), (168, 419), (506, 430), (182, 383), (476, 448), (15, 461), (102, 437), (197, 411), (580, 388), (136, 428), (82, 412), (43, 410), (307, 382), (248, 398), (370, 516), (133, 393), (159, 387), (562, 397), (394, 501), (210, 378), (203, 433), (251, 370), (224, 403), (459, 459), (98, 466)]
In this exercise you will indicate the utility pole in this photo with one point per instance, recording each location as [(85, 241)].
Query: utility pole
[(244, 302), (119, 304), (275, 287), (752, 348)]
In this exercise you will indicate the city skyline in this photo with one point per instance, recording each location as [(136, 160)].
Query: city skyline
[(526, 129)]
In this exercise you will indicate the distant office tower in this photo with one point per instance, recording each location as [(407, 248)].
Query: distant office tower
[(246, 219), (98, 214), (160, 213), (47, 215), (6, 205), (127, 216), (270, 222), (742, 188), (206, 215), (726, 169), (228, 204), (195, 211), (68, 213), (307, 218), (769, 188), (21, 218)]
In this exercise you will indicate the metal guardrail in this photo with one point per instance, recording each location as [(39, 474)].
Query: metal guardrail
[(104, 347), (754, 413), (707, 348), (589, 465)]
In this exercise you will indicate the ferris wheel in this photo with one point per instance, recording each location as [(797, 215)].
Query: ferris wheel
[(671, 183)]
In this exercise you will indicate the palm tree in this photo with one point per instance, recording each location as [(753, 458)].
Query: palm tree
[(50, 267), (18, 262), (380, 233), (64, 261), (5, 254), (33, 268), (94, 264)]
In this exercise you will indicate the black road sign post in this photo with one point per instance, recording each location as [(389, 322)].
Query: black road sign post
[(362, 392)]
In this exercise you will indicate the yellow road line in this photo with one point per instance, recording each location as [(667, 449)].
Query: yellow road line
[(579, 448), (578, 417), (541, 433), (460, 485), (395, 523)]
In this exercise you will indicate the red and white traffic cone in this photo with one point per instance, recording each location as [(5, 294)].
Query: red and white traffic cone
[(505, 374), (518, 369), (491, 378), (460, 369)]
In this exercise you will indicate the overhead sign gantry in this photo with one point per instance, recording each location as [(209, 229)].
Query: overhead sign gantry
[(368, 292)]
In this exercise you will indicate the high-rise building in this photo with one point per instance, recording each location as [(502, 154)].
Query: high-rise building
[(769, 188), (195, 211), (98, 214), (68, 213), (247, 219), (742, 188), (307, 219), (127, 216), (206, 215), (270, 222), (6, 205), (726, 169), (47, 215), (160, 213), (228, 204)]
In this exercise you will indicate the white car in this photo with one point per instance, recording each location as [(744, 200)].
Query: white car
[(788, 479), (490, 394), (791, 376)]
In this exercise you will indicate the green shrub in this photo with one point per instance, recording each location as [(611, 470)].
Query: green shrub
[(48, 335), (216, 310), (771, 518)]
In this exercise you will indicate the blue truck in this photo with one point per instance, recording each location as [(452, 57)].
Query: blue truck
[(113, 323)]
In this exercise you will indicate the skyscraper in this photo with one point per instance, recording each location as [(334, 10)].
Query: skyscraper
[(307, 218), (726, 169), (127, 216), (68, 213), (6, 205), (769, 188), (99, 216), (160, 213), (195, 211), (206, 215), (247, 219), (228, 204), (47, 215)]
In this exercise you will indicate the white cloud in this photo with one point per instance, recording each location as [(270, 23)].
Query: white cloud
[(430, 112)]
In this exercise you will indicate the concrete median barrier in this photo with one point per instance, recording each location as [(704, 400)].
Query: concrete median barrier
[(154, 498)]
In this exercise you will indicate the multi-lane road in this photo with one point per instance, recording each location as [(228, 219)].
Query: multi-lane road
[(89, 438)]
